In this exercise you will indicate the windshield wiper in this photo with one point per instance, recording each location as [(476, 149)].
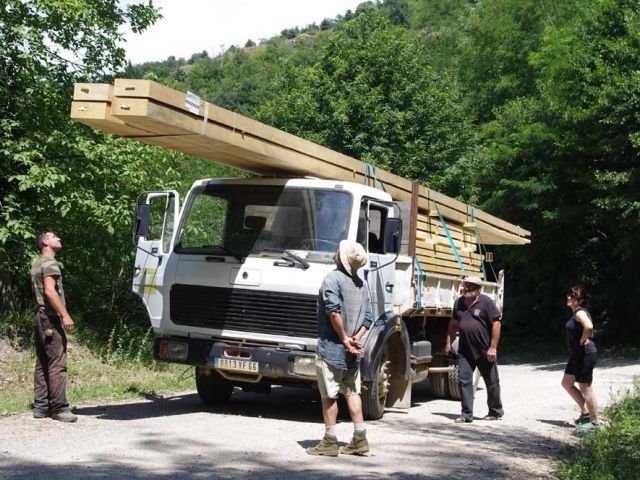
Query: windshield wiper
[(292, 257)]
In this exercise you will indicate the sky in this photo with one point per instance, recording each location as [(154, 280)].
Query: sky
[(191, 26)]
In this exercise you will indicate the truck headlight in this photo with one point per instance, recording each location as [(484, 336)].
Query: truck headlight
[(305, 366), (173, 350)]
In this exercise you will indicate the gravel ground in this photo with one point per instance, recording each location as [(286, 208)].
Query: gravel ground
[(264, 437)]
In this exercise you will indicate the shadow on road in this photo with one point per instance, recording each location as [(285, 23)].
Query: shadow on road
[(284, 403)]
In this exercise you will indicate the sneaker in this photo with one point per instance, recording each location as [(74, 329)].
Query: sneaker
[(65, 416), (328, 446), (583, 429), (358, 444), (41, 413), (583, 418), (463, 420), (491, 417)]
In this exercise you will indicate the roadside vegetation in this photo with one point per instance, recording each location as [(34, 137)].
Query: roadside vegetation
[(612, 452), (117, 367)]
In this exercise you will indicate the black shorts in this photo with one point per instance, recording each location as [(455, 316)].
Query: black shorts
[(581, 366)]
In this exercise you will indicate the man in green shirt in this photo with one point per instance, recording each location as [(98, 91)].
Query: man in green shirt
[(51, 322)]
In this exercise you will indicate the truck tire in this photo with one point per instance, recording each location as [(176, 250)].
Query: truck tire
[(452, 379), (212, 387), (374, 393), (437, 382)]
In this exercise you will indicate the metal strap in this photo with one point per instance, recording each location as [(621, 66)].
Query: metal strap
[(419, 296)]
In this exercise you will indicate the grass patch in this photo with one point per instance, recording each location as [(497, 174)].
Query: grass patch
[(91, 378), (611, 453)]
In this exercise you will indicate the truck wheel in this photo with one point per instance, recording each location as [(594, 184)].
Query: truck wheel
[(437, 382), (374, 394), (454, 376), (212, 387), (452, 379)]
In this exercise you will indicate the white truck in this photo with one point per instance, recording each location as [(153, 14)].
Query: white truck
[(230, 279)]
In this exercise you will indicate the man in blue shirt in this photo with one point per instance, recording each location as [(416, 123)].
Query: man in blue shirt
[(344, 315)]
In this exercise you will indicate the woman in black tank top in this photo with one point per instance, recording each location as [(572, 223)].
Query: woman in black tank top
[(582, 359)]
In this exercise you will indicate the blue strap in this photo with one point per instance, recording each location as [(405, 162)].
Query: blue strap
[(419, 299), (453, 245), (371, 171)]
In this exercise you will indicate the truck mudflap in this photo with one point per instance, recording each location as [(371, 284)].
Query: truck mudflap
[(382, 329), (386, 367)]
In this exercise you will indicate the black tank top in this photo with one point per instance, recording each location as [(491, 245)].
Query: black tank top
[(574, 331)]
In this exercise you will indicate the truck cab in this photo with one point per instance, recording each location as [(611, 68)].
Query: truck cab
[(230, 281)]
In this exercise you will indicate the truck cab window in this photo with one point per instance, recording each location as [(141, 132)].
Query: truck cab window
[(371, 226), (205, 228), (157, 206), (245, 219)]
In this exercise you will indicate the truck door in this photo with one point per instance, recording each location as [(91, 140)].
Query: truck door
[(381, 267), (158, 215)]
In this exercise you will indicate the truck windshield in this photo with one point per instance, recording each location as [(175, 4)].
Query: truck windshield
[(242, 219)]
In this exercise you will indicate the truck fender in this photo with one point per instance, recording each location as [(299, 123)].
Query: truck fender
[(382, 329)]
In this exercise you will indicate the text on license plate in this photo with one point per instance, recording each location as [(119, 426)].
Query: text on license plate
[(237, 365)]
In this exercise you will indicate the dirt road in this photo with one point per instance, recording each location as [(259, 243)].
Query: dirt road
[(263, 437)]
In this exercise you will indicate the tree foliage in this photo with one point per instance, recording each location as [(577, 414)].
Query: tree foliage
[(564, 161), (373, 95)]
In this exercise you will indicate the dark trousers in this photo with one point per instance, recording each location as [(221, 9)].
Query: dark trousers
[(50, 378), (489, 372)]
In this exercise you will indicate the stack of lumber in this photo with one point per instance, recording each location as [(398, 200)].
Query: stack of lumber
[(148, 112)]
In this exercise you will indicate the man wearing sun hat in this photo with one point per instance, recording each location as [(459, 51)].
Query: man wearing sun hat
[(344, 315), (478, 320)]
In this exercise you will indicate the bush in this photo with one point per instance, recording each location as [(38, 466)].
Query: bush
[(16, 325), (129, 344), (611, 453)]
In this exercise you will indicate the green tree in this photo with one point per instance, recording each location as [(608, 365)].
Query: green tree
[(45, 47), (493, 47), (564, 162), (373, 95)]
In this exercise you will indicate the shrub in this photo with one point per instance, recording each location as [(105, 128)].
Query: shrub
[(611, 453), (16, 325)]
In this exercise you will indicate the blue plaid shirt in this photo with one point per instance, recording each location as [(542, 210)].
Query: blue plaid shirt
[(349, 297)]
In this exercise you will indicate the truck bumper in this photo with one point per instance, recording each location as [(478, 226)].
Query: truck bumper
[(271, 363)]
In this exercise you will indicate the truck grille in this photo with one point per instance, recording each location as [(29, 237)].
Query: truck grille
[(245, 310)]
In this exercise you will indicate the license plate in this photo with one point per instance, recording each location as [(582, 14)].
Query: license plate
[(235, 365)]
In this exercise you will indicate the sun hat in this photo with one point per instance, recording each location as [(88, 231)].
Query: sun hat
[(352, 256), (472, 279)]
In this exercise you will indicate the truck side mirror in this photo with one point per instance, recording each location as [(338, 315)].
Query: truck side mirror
[(143, 217), (392, 235)]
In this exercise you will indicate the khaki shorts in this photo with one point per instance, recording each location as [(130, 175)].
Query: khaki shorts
[(332, 381)]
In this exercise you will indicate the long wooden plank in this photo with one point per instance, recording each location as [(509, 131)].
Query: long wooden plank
[(446, 250), (476, 262), (98, 115), (442, 262), (179, 100), (147, 114), (176, 99), (463, 208), (165, 123), (429, 267), (438, 230), (93, 92)]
